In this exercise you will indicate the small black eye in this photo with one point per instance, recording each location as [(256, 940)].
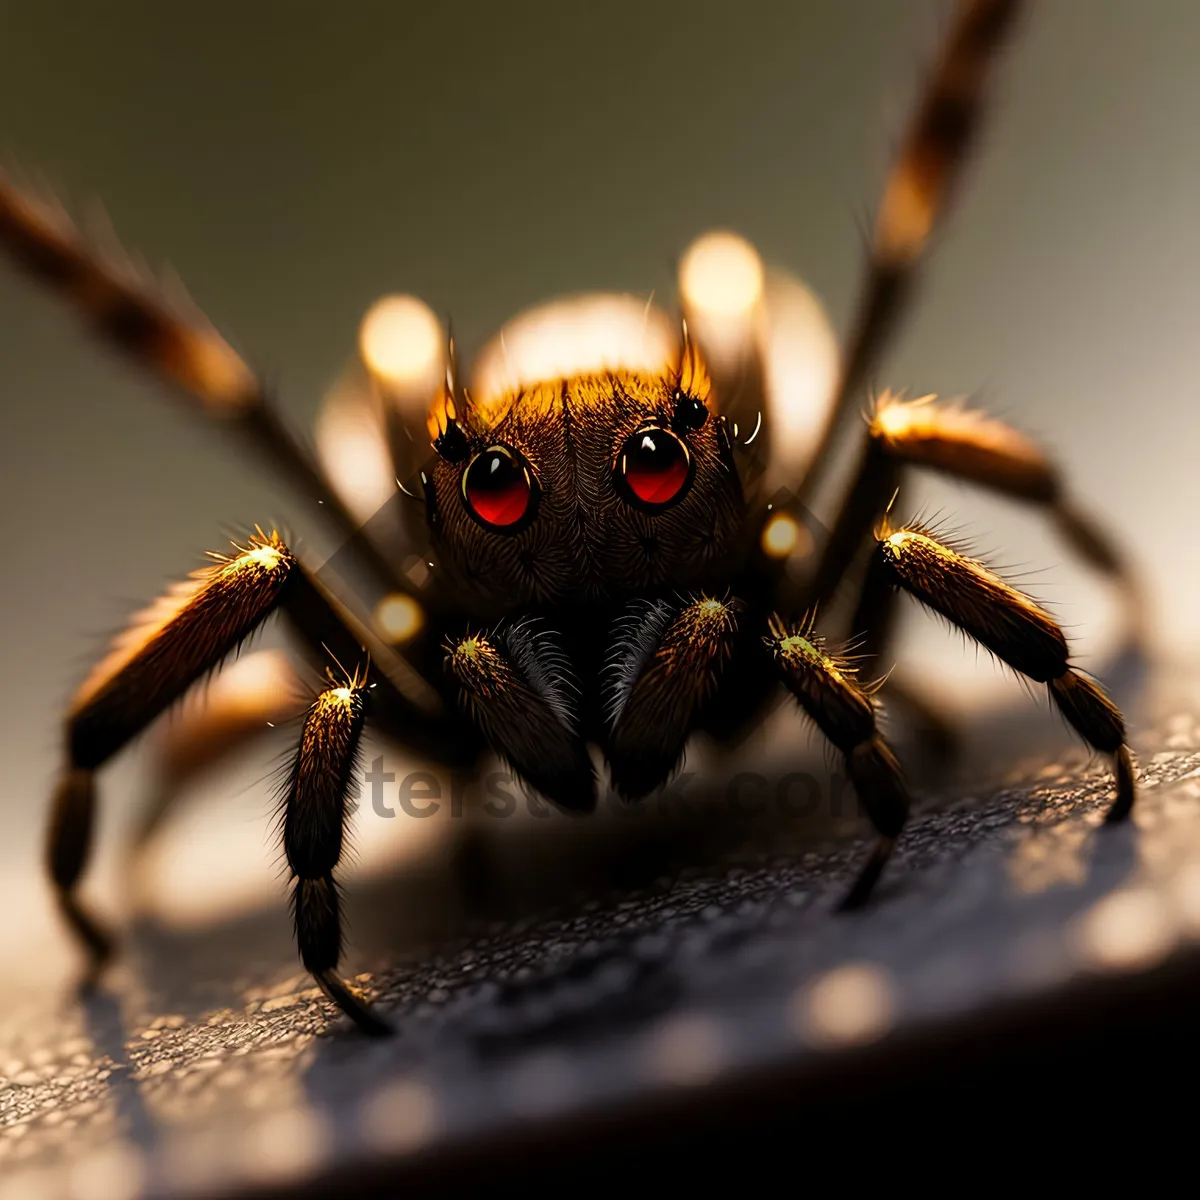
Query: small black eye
[(654, 469), (690, 413), (452, 443), (500, 489)]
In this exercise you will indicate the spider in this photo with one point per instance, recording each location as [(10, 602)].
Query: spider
[(608, 574)]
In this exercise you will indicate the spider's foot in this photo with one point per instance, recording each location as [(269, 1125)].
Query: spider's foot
[(868, 877), (96, 940), (1122, 806), (353, 1005)]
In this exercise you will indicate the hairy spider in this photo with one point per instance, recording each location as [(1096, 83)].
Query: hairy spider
[(608, 566)]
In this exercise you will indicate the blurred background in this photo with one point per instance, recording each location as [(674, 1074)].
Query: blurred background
[(295, 161)]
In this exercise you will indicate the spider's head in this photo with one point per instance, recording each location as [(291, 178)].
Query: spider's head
[(592, 483)]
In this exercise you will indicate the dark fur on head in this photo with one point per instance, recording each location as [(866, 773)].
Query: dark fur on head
[(586, 539)]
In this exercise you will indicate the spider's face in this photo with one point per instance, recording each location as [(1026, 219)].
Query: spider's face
[(590, 486)]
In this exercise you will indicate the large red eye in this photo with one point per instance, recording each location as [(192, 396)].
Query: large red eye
[(654, 468), (499, 488)]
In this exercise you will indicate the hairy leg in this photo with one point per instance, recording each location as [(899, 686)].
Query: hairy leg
[(964, 444), (844, 711), (184, 636), (516, 687), (664, 666), (1012, 627), (171, 645), (314, 819)]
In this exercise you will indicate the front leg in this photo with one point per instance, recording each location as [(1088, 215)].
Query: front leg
[(845, 713), (1016, 630), (175, 643), (662, 670), (516, 686), (314, 818), (667, 664)]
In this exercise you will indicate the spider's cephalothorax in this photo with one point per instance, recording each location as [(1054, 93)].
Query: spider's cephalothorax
[(606, 572), (587, 489)]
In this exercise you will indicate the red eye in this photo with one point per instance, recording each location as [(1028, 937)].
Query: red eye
[(499, 488), (654, 468)]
